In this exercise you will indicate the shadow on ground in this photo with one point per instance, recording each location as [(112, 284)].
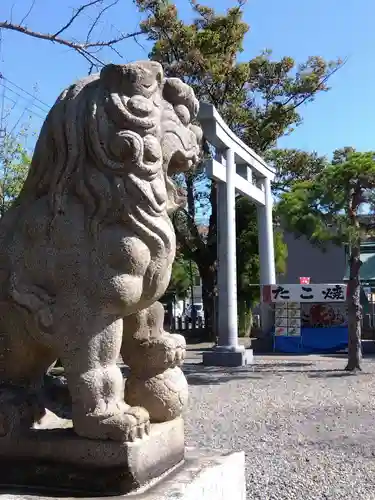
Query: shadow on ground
[(198, 374), (335, 374), (199, 349)]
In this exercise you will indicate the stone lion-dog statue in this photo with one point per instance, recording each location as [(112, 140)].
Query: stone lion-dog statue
[(87, 250)]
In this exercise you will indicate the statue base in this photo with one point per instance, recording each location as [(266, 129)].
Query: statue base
[(57, 461), (227, 356), (203, 475)]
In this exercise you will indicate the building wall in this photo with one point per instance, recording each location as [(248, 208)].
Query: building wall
[(198, 294), (197, 290), (305, 259)]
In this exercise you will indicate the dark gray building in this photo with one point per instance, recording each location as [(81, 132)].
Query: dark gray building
[(305, 259)]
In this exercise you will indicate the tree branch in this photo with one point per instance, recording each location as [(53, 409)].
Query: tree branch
[(284, 106), (73, 45), (28, 12), (85, 48), (74, 16), (100, 14)]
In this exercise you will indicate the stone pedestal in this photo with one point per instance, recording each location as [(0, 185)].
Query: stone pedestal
[(58, 462), (228, 356), (204, 475)]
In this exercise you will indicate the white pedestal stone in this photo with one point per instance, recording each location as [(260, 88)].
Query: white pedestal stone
[(204, 475), (228, 356)]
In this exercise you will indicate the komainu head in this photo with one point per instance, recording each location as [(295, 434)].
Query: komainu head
[(113, 139)]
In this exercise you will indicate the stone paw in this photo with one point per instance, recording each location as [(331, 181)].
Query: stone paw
[(176, 349), (166, 351), (132, 424), (165, 395), (156, 354)]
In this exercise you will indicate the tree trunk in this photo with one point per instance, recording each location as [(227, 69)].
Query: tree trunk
[(204, 255), (208, 276), (190, 196), (208, 271), (354, 311), (244, 317)]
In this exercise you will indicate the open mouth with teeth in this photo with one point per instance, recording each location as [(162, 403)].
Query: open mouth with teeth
[(184, 146), (180, 161)]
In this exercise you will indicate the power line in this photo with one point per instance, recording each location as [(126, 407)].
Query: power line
[(2, 77), (17, 122), (26, 109), (22, 97)]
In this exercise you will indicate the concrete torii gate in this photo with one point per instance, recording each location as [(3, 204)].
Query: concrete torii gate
[(236, 167)]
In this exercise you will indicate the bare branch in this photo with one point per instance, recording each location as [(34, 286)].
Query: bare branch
[(91, 59), (85, 48), (81, 48), (139, 44), (91, 68), (11, 12), (73, 45), (116, 52), (95, 22), (28, 12), (74, 17)]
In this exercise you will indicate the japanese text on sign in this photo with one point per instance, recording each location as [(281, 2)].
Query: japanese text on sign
[(308, 293)]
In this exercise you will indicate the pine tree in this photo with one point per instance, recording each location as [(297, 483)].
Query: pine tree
[(259, 98)]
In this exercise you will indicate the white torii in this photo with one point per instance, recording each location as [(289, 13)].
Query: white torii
[(236, 168)]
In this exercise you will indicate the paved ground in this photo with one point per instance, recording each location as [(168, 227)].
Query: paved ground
[(307, 427)]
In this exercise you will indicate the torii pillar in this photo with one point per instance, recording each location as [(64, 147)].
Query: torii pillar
[(234, 169)]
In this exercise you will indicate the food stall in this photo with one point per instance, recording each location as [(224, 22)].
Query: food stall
[(308, 318)]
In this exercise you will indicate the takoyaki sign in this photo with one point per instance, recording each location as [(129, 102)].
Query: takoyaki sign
[(305, 293)]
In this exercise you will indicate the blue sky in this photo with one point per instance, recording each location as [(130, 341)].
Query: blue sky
[(329, 28)]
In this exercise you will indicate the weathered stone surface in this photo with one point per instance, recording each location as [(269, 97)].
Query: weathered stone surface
[(204, 475), (87, 249), (60, 462)]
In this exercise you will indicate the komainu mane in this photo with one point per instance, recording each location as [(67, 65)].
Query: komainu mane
[(86, 251)]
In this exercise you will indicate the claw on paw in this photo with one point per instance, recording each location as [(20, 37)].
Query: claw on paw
[(130, 425)]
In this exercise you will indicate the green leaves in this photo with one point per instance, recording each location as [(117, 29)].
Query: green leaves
[(327, 207), (293, 165), (183, 275), (258, 96), (248, 251), (14, 166)]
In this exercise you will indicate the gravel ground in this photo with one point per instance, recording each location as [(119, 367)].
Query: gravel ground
[(307, 427)]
